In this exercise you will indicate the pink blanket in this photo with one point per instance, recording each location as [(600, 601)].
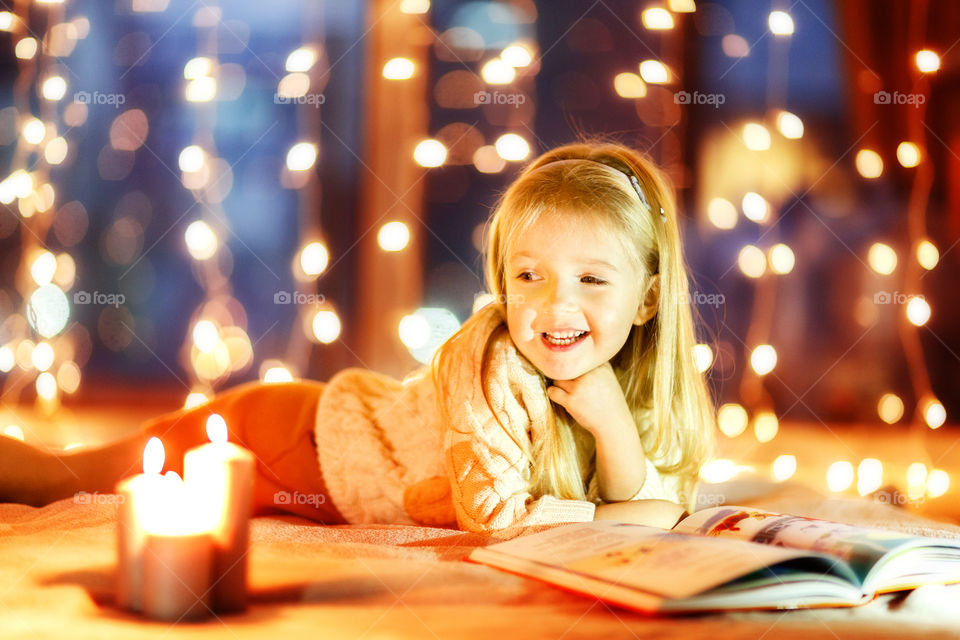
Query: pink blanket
[(56, 580)]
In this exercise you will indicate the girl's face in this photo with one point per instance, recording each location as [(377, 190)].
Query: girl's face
[(573, 296)]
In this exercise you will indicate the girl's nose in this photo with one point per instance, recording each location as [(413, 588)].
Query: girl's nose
[(561, 299)]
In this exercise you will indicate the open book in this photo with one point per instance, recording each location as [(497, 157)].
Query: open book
[(727, 557)]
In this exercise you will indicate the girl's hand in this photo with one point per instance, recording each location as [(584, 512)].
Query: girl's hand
[(595, 400)]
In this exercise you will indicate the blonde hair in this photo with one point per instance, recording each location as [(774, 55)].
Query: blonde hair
[(655, 367)]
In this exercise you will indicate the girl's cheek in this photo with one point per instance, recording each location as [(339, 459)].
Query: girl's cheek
[(527, 318)]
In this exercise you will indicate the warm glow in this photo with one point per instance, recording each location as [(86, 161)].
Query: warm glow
[(781, 258), (629, 85), (301, 156), (13, 431), (201, 240), (56, 151), (933, 413), (496, 71), (201, 90), (682, 6), (882, 258), (517, 55), (763, 359), (890, 408), (784, 467), (756, 136), (326, 326), (927, 61), (735, 46), (755, 207), (393, 236), (68, 377), (918, 311), (765, 426), (869, 163), (414, 331), (7, 359), (927, 254), (216, 428), (7, 21), (720, 470), (703, 356), (654, 72), (191, 159), (908, 154), (839, 475), (789, 125), (314, 258), (153, 456), (277, 374), (916, 475), (34, 131), (26, 48), (657, 18), (722, 214), (780, 22), (430, 153), (197, 68), (938, 483), (195, 399), (42, 356), (732, 419), (205, 336), (869, 476), (43, 268), (398, 69), (301, 60), (54, 88), (512, 147), (751, 261), (415, 6)]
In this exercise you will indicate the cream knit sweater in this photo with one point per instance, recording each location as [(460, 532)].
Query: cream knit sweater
[(386, 457)]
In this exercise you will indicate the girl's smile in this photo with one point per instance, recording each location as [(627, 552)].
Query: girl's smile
[(574, 295)]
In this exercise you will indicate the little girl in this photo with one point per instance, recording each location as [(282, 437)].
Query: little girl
[(572, 396)]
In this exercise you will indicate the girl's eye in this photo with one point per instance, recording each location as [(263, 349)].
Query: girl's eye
[(593, 280), (522, 275)]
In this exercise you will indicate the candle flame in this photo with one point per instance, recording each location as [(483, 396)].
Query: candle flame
[(216, 428), (153, 456)]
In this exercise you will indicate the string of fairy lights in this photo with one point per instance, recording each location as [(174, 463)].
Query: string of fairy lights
[(40, 348), (764, 266)]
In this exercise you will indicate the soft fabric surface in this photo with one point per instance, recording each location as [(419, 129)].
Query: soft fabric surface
[(375, 581)]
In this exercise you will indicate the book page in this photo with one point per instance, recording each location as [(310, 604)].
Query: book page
[(648, 558), (859, 547)]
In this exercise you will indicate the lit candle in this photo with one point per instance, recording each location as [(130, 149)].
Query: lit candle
[(220, 476), (133, 492), (177, 555)]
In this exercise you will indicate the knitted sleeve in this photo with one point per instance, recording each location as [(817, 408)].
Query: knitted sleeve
[(490, 479)]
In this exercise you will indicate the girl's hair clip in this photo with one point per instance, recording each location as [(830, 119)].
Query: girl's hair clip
[(636, 187), (643, 198)]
